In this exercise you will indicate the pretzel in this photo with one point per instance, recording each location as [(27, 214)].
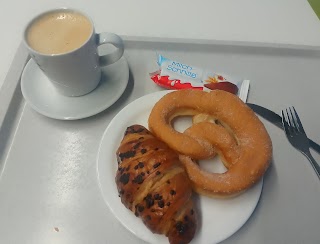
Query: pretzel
[(237, 136)]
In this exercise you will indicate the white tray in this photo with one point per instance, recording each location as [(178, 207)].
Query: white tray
[(49, 191)]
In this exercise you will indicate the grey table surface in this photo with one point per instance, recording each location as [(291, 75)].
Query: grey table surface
[(49, 190)]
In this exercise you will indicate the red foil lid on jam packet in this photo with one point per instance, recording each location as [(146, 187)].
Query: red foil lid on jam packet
[(176, 75)]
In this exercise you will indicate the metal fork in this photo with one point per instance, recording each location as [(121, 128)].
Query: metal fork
[(297, 136)]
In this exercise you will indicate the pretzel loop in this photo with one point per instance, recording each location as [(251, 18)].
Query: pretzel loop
[(237, 136)]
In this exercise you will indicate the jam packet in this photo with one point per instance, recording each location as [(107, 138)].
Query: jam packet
[(176, 75)]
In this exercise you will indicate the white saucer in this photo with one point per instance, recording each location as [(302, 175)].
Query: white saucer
[(41, 95)]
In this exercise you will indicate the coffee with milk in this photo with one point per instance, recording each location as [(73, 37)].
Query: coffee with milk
[(59, 32), (64, 45)]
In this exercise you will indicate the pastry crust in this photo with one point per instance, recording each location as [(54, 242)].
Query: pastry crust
[(153, 184)]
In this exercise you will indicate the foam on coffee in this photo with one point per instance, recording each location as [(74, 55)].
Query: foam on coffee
[(58, 32)]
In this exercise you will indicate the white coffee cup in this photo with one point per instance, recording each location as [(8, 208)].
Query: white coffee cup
[(64, 44)]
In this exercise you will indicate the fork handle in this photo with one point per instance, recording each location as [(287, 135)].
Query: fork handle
[(313, 162)]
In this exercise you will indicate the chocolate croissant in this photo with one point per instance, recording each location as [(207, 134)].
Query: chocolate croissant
[(154, 185)]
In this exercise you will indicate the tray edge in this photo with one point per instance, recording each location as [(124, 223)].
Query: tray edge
[(147, 39)]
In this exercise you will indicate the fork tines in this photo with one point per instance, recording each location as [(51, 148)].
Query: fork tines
[(291, 117)]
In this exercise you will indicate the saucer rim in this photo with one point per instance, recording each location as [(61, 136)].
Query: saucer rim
[(76, 117)]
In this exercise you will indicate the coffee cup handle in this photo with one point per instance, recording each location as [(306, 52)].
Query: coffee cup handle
[(115, 40)]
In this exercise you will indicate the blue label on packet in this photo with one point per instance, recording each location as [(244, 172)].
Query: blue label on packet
[(178, 70)]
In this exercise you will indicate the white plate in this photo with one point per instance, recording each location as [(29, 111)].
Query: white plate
[(41, 95), (220, 218)]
